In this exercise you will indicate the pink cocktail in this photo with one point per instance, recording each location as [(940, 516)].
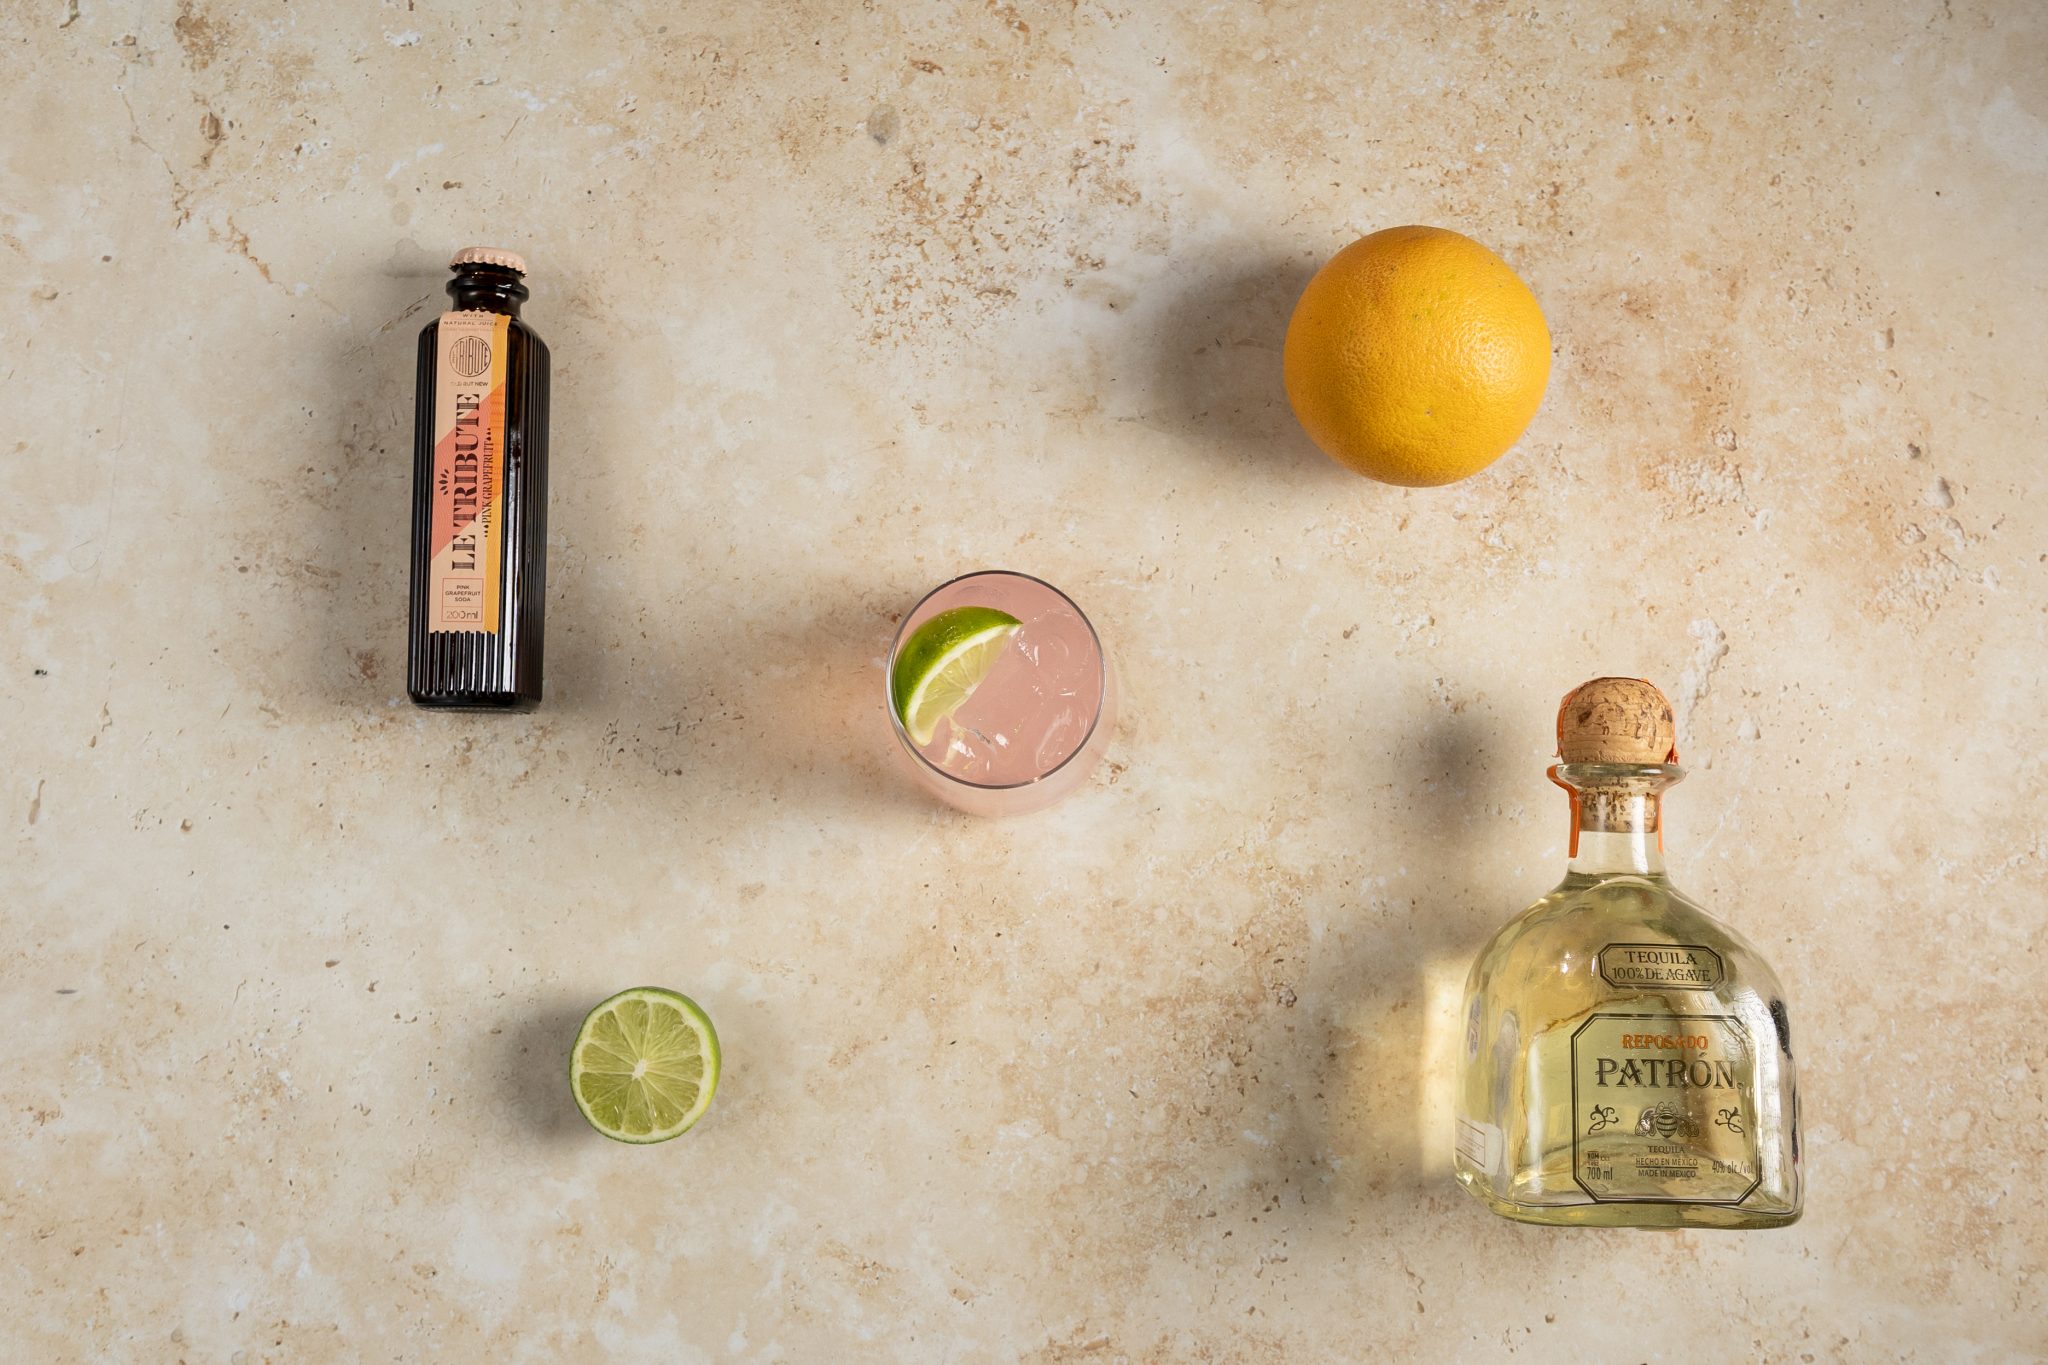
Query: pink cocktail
[(1036, 726)]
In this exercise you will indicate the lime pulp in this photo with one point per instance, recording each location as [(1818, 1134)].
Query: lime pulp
[(943, 662), (644, 1065)]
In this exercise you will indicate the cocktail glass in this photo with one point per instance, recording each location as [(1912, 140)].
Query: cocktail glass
[(1038, 723)]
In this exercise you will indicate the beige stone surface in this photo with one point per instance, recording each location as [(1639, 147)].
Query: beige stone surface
[(844, 300)]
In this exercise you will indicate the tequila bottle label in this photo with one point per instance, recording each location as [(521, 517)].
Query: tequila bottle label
[(1687, 966), (1480, 1145), (1664, 1108)]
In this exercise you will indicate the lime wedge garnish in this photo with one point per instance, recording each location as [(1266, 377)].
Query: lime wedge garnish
[(645, 1065), (942, 663)]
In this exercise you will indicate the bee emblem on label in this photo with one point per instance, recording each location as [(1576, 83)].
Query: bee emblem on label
[(1664, 1120)]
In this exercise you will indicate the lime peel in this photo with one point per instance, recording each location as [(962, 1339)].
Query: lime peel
[(644, 1065), (942, 663)]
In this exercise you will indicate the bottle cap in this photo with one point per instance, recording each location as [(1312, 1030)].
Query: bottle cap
[(1616, 720), (489, 255)]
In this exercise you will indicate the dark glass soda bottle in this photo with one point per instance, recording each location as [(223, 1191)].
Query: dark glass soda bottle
[(479, 495)]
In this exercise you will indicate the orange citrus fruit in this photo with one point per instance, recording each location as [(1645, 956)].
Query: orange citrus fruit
[(1416, 357)]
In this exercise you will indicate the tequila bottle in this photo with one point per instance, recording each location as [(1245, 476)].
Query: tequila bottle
[(1626, 1058)]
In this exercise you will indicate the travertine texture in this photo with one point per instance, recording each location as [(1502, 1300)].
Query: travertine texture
[(845, 300)]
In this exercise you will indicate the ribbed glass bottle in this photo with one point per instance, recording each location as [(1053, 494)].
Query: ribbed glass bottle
[(480, 496)]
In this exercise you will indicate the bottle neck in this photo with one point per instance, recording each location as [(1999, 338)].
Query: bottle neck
[(1632, 845), (487, 289), (1617, 817)]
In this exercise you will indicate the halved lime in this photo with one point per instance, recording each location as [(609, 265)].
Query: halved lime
[(644, 1065), (942, 663)]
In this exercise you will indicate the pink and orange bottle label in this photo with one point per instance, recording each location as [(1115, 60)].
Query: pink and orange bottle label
[(469, 472)]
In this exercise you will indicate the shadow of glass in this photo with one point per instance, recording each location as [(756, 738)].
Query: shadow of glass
[(783, 711)]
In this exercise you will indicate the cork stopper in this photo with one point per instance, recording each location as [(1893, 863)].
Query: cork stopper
[(489, 255), (1616, 720)]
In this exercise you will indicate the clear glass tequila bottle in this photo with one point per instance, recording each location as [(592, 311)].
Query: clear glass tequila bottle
[(1626, 1058)]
